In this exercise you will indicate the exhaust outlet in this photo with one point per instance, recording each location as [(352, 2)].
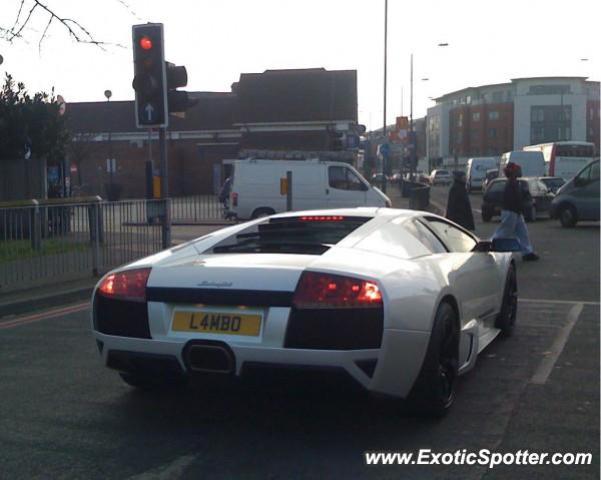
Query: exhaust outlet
[(209, 358)]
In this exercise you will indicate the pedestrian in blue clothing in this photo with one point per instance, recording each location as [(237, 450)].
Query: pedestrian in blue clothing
[(512, 218)]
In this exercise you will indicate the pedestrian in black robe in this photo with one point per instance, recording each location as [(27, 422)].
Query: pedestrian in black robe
[(459, 209)]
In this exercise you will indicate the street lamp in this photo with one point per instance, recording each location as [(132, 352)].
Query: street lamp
[(385, 75), (108, 94), (414, 146)]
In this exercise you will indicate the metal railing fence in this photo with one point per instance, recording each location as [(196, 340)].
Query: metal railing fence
[(197, 209), (56, 240)]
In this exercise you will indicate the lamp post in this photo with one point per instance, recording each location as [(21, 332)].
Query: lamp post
[(108, 94), (412, 133), (385, 75)]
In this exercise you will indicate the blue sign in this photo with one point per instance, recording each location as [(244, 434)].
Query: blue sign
[(352, 141), (384, 149)]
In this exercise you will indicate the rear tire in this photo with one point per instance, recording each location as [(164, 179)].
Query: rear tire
[(262, 212), (433, 392), (568, 216), (509, 308)]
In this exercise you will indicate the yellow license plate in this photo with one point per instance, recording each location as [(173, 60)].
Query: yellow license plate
[(217, 322)]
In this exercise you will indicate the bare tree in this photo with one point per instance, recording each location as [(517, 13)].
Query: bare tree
[(28, 9)]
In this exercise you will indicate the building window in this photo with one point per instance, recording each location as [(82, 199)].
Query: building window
[(476, 116), (497, 97), (493, 115), (550, 123), (460, 120), (549, 90), (492, 133)]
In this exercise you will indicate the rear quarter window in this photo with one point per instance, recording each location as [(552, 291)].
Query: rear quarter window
[(393, 239)]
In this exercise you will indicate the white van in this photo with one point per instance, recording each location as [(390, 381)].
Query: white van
[(257, 187), (531, 163), (476, 171)]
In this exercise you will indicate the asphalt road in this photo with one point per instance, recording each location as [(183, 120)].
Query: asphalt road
[(63, 415)]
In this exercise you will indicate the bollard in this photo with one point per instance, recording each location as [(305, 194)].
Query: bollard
[(35, 231)]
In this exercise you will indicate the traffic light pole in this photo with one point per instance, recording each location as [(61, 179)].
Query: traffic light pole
[(166, 227)]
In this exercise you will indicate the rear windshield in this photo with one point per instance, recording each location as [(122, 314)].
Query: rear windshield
[(311, 235)]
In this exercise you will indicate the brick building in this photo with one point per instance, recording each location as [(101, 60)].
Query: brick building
[(492, 119), (307, 109)]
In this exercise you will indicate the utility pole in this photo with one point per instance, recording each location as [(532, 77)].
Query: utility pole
[(385, 75), (411, 134), (164, 166)]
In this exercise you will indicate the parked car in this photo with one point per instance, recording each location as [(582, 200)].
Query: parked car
[(258, 187), (491, 174), (369, 292), (553, 183), (537, 198), (476, 171), (579, 198), (440, 177)]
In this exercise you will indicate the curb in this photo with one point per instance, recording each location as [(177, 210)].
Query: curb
[(26, 305)]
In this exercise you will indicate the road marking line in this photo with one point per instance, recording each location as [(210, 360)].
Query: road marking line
[(174, 469), (558, 302), (44, 315), (547, 363), (438, 205)]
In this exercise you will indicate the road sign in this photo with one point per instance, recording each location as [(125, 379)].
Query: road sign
[(384, 149), (352, 140)]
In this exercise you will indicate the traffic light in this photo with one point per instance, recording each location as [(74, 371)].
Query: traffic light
[(177, 76), (150, 76)]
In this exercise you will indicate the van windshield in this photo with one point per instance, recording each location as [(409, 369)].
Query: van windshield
[(312, 235)]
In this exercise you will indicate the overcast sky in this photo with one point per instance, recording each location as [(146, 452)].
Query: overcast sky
[(489, 42)]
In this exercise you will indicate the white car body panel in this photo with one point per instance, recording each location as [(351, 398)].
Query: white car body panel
[(412, 289)]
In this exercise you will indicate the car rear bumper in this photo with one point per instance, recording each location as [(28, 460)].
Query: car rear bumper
[(389, 370)]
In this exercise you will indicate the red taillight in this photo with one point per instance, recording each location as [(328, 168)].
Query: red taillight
[(322, 290), (126, 285), (234, 199)]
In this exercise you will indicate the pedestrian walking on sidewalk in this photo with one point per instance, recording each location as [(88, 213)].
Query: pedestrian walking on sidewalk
[(459, 209), (513, 224)]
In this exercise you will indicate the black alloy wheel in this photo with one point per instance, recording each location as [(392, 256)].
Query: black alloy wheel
[(433, 393)]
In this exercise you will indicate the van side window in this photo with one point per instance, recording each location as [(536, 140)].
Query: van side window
[(344, 178)]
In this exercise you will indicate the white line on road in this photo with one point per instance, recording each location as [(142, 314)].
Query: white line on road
[(174, 469), (546, 365), (558, 302)]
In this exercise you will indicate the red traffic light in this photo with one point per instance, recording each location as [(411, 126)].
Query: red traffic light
[(145, 43)]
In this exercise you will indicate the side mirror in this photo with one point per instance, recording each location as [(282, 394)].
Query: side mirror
[(483, 246), (505, 245)]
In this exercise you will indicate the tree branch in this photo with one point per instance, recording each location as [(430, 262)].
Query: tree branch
[(76, 30)]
